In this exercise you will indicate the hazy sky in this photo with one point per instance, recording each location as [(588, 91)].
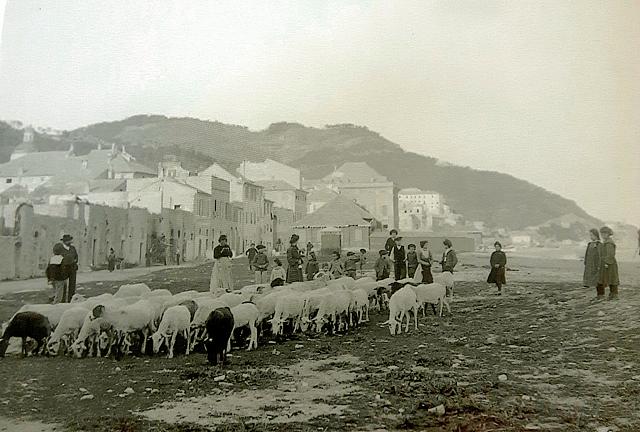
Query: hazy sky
[(548, 91)]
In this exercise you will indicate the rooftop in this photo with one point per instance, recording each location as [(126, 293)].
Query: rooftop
[(339, 212), (355, 172)]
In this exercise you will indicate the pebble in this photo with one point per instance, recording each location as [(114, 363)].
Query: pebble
[(129, 390), (109, 391), (245, 375), (83, 390), (155, 391), (612, 349), (393, 368), (220, 378), (525, 397), (87, 397), (118, 369), (298, 346), (600, 313), (437, 410), (502, 377), (401, 410), (636, 377)]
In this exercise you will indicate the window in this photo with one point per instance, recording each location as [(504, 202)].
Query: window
[(9, 180), (176, 207)]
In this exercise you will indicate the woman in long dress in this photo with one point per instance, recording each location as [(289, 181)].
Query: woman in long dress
[(294, 260), (221, 272), (498, 263), (592, 259), (425, 258)]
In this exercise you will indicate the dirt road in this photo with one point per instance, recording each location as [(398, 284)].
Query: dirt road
[(543, 356)]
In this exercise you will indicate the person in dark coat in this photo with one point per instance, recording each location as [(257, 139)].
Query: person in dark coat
[(383, 265), (608, 266), (294, 259), (69, 264), (398, 257), (312, 265), (592, 258), (449, 257), (57, 278), (112, 259), (498, 263), (391, 241), (251, 254), (412, 260)]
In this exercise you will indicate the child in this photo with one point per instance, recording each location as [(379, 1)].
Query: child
[(112, 260), (350, 264), (260, 264), (498, 263), (278, 271), (363, 260), (383, 265), (412, 260), (57, 278), (312, 266), (335, 266)]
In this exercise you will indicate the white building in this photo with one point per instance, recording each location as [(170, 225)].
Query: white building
[(430, 201), (270, 170)]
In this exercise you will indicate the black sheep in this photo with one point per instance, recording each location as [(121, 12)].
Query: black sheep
[(24, 325), (219, 327)]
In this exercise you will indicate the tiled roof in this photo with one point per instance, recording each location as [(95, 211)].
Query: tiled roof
[(321, 195), (275, 185), (339, 212), (55, 163), (355, 172)]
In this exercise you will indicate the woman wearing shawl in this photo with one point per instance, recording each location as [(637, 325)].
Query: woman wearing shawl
[(449, 257), (592, 259), (221, 272), (424, 260), (294, 259)]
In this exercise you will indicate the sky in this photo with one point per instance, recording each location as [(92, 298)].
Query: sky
[(548, 91)]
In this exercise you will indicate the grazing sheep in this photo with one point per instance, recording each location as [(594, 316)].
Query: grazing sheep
[(23, 325), (246, 315), (360, 303), (434, 294), (90, 332), (68, 328), (192, 306), (287, 307), (132, 290), (198, 323), (232, 299), (446, 279), (134, 318), (220, 325), (53, 312), (333, 308), (157, 293), (402, 302), (175, 320)]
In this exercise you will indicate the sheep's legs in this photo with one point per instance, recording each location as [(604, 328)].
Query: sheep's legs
[(174, 335), (186, 335), (145, 333), (253, 337), (415, 317)]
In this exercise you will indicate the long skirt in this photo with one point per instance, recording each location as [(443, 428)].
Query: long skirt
[(221, 276), (294, 274), (497, 276), (427, 277)]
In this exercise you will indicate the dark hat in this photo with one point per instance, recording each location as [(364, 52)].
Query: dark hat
[(222, 237), (294, 238), (350, 253), (66, 237), (260, 247), (383, 252), (497, 243), (606, 230)]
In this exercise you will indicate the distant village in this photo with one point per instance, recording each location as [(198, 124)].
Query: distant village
[(107, 199)]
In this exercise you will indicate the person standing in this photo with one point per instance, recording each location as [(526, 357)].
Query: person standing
[(425, 258), (412, 260), (391, 241), (351, 265), (336, 269), (260, 264), (221, 271), (449, 257), (592, 260), (398, 258), (69, 265), (383, 265), (608, 266), (498, 263), (278, 273), (251, 254), (363, 261), (294, 260), (112, 260)]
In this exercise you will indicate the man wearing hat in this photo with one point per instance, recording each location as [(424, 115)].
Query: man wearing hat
[(68, 265)]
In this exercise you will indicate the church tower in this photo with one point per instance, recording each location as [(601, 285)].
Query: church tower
[(26, 146)]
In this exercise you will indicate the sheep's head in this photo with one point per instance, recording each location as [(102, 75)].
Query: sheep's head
[(78, 349), (97, 311), (393, 326), (157, 339), (53, 346), (275, 326), (77, 298)]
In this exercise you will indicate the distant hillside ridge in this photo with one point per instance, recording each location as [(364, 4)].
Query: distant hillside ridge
[(499, 200)]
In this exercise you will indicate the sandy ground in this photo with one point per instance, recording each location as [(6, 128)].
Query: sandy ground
[(569, 364)]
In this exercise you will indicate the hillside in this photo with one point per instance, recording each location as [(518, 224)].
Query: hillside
[(499, 200)]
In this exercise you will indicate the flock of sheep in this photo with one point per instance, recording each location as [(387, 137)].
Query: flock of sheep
[(124, 322)]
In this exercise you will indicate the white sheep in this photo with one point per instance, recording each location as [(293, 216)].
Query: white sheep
[(176, 319), (132, 290), (267, 304), (333, 308), (157, 293), (360, 303), (311, 304), (435, 294), (287, 307), (232, 299), (52, 312), (137, 317), (68, 328), (90, 332), (446, 279), (402, 302), (246, 314)]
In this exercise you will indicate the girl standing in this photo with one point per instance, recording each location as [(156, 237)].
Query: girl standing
[(592, 258), (425, 259), (221, 272), (608, 266), (294, 259), (449, 257), (498, 263)]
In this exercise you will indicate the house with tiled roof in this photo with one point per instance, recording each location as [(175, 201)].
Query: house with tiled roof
[(370, 189), (341, 217), (286, 196), (34, 169), (319, 197)]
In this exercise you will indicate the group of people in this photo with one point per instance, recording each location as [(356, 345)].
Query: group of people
[(407, 262), (600, 265)]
